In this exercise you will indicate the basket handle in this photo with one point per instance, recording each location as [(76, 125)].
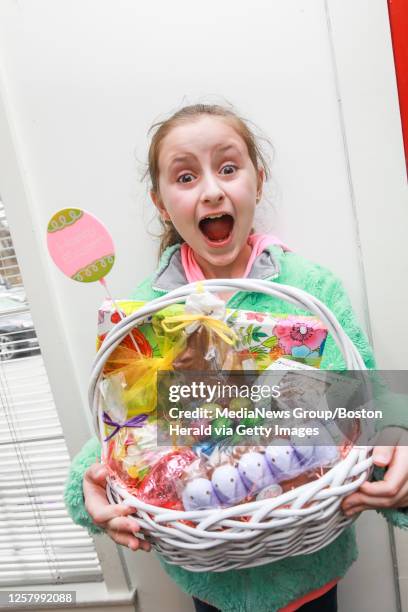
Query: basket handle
[(298, 297)]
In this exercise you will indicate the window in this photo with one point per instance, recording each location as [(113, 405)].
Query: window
[(38, 541)]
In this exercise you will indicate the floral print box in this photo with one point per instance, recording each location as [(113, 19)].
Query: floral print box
[(267, 337), (264, 337)]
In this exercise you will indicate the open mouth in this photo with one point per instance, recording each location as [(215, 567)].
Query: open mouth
[(217, 228)]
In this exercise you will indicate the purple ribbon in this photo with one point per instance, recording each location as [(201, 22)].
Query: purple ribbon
[(136, 421)]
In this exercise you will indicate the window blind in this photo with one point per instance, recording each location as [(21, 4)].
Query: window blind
[(38, 541)]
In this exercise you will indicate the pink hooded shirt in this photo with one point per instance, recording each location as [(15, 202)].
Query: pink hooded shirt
[(258, 242)]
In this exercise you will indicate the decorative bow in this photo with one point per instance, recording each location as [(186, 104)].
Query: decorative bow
[(219, 327), (136, 421)]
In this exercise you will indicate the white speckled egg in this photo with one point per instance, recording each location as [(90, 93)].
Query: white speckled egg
[(282, 460), (198, 494), (227, 484), (255, 472)]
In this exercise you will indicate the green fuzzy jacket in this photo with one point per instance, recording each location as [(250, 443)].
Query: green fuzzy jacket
[(273, 586)]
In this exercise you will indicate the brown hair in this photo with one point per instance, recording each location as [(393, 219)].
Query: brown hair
[(169, 235)]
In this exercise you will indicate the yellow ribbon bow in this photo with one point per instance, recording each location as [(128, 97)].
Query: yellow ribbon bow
[(218, 326), (140, 375)]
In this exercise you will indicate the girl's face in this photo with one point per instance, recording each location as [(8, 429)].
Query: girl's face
[(205, 171)]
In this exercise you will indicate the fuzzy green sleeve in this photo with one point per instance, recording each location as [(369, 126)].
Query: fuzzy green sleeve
[(73, 495), (394, 405)]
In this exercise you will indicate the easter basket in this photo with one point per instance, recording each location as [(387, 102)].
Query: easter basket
[(299, 521)]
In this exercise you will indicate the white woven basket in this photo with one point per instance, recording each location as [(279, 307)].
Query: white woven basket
[(220, 541)]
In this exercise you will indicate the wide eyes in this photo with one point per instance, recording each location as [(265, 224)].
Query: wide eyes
[(230, 166), (188, 177), (184, 176)]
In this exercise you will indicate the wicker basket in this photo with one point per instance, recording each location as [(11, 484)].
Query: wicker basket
[(220, 540)]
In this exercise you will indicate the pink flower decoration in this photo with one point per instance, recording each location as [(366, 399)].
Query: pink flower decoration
[(257, 316), (294, 332)]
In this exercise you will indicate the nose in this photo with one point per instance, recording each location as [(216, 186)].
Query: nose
[(212, 192)]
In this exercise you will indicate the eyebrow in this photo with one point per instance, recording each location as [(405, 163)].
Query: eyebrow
[(183, 158)]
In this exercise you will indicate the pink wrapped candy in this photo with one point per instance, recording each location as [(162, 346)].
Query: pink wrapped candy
[(159, 486)]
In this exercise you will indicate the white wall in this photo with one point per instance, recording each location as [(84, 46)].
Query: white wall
[(84, 80)]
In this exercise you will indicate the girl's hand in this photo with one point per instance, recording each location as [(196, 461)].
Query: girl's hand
[(113, 518), (392, 492)]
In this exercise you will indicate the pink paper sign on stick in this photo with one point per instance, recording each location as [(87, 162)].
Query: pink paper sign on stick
[(80, 245)]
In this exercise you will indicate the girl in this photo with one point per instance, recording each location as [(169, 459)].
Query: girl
[(207, 174)]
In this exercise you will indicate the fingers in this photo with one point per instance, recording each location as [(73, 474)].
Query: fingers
[(122, 530), (382, 455), (122, 523), (143, 545), (96, 503), (124, 538), (382, 488), (96, 473), (368, 500), (356, 510), (389, 439), (395, 478), (381, 494), (392, 492), (102, 513), (111, 517)]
